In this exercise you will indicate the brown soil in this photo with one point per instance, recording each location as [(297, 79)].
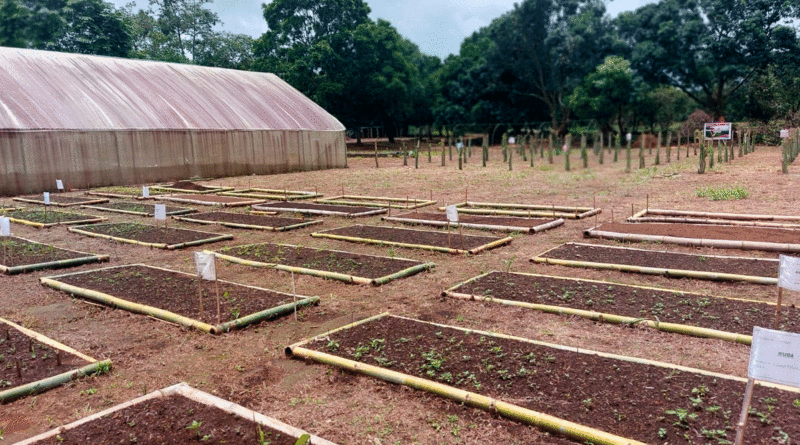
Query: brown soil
[(48, 217), (243, 218), (172, 420), (19, 252), (189, 185), (643, 402), (212, 199), (176, 292), (757, 267), (149, 209), (410, 236), (732, 233), (25, 360), (301, 206), (659, 305), (511, 221), (148, 234), (316, 259), (57, 198)]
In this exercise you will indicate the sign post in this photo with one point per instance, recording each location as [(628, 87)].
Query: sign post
[(452, 217), (205, 264), (160, 214), (59, 185), (5, 231), (145, 191)]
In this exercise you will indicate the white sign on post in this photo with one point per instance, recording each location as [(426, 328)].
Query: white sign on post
[(512, 140), (789, 277), (59, 184), (46, 198), (204, 262), (160, 212), (775, 357), (459, 145), (452, 213), (5, 226), (784, 134), (145, 191)]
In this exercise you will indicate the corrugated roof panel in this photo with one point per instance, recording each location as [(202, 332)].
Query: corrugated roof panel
[(57, 91)]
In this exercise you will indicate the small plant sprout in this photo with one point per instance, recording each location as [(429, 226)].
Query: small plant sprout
[(195, 427)]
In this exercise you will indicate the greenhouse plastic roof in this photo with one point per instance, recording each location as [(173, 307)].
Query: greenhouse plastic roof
[(42, 90)]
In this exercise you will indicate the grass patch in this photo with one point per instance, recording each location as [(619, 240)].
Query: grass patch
[(723, 193)]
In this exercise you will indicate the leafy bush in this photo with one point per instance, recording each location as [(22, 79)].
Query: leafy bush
[(723, 194)]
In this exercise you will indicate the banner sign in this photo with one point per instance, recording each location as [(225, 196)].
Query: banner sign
[(717, 131), (789, 276), (5, 226), (452, 213), (204, 262), (775, 357), (160, 212)]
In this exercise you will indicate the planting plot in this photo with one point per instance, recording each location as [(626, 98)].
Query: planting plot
[(499, 223), (189, 187), (123, 192), (212, 200), (135, 208), (173, 296), (673, 265), (152, 236), (646, 401), (725, 237), (668, 310), (271, 194), (41, 218), (376, 201), (59, 200), (18, 255), (334, 264), (31, 363), (245, 221), (416, 239), (525, 210), (308, 208), (732, 219), (175, 415)]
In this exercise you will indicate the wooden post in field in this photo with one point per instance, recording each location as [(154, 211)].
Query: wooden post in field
[(376, 155)]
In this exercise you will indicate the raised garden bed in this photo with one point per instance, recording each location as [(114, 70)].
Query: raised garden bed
[(135, 208), (271, 194), (151, 236), (415, 239), (732, 219), (42, 218), (19, 255), (590, 396), (177, 415), (212, 200), (307, 208), (498, 223), (248, 221), (334, 264), (730, 319), (31, 363), (173, 296), (669, 264), (59, 200), (124, 192), (376, 201), (189, 187), (525, 210), (723, 237)]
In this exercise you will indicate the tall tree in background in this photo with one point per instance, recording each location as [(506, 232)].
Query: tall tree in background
[(605, 94)]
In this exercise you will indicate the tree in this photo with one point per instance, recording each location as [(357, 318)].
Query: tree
[(605, 93), (226, 50), (709, 49), (182, 27)]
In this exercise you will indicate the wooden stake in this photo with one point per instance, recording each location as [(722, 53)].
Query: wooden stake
[(631, 210), (778, 307), (612, 216), (294, 296), (200, 292), (216, 288), (19, 370), (647, 207), (748, 396), (58, 357)]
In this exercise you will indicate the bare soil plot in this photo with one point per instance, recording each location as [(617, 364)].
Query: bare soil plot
[(663, 309), (724, 237), (124, 192), (135, 208), (498, 223), (175, 415), (646, 401), (669, 264), (59, 200), (249, 221), (732, 219), (271, 194), (51, 218), (415, 239), (18, 255), (189, 187), (334, 264), (376, 201), (31, 363), (525, 210), (173, 296), (212, 200), (308, 208), (160, 237)]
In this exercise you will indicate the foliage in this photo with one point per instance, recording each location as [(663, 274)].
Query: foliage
[(605, 93), (693, 122), (722, 193)]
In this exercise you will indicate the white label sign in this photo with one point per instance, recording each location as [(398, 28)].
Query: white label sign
[(789, 277), (459, 145), (452, 213), (145, 191), (59, 184), (512, 140), (5, 226), (784, 134), (204, 262), (47, 198), (160, 212), (628, 137), (775, 357)]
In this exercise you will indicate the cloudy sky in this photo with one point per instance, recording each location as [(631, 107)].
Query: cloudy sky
[(437, 26)]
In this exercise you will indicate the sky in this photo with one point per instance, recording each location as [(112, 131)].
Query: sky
[(437, 26)]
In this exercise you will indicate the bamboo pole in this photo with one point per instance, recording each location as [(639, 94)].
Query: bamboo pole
[(52, 382), (778, 308), (60, 204), (38, 225), (475, 250), (250, 226), (199, 201), (266, 207), (214, 189), (748, 396), (494, 227), (721, 244), (133, 212)]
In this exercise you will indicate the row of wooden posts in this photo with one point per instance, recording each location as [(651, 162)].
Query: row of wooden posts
[(530, 146), (791, 148)]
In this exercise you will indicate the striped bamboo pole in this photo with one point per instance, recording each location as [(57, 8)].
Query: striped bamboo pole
[(213, 189), (697, 242), (60, 204), (494, 227), (249, 226), (475, 250), (38, 225), (52, 382), (318, 211)]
